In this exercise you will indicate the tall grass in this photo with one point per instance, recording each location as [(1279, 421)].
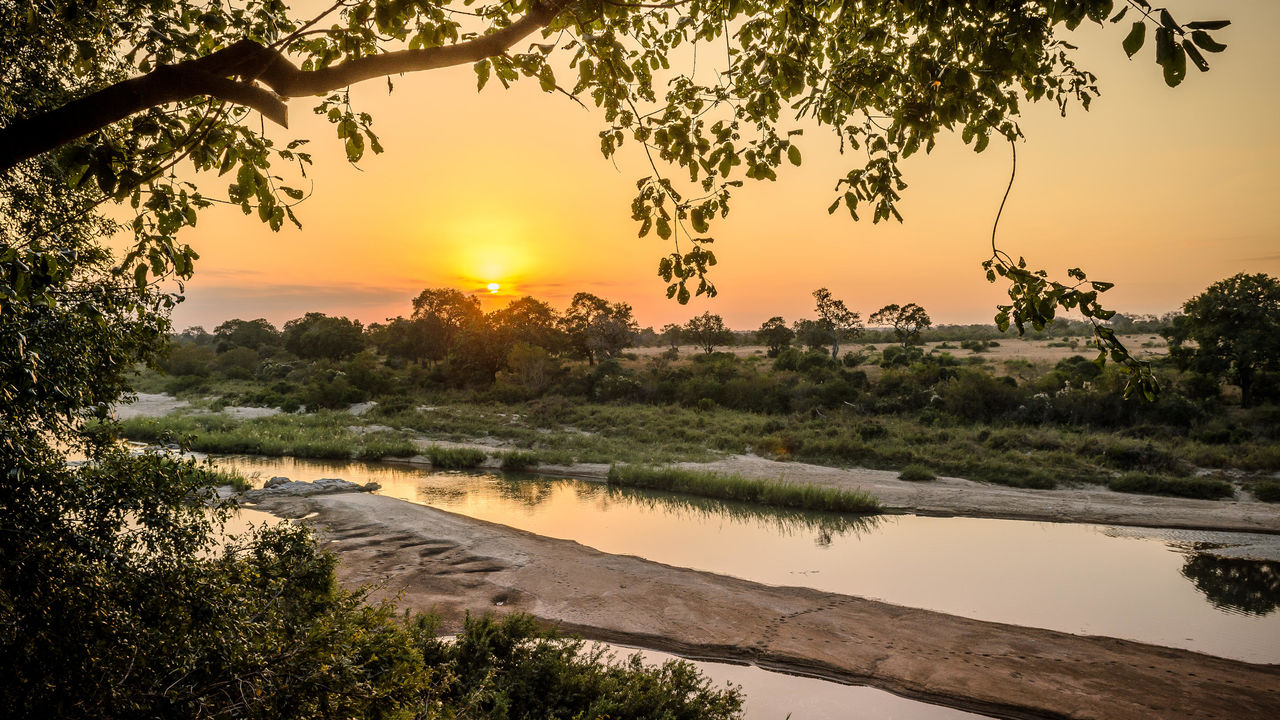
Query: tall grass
[(736, 487), (454, 458), (1267, 491), (517, 460)]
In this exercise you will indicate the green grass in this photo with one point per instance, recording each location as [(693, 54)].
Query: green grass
[(518, 460), (916, 473), (238, 482), (736, 487), (454, 458), (1267, 491), (376, 448), (1193, 487)]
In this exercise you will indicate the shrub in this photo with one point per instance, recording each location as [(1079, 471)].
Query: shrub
[(1148, 484), (378, 448), (518, 460), (1267, 491), (916, 473), (455, 458)]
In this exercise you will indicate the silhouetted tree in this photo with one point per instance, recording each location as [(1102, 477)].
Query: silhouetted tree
[(775, 335), (1230, 331), (708, 331), (258, 335), (316, 335), (596, 328), (838, 321), (907, 321)]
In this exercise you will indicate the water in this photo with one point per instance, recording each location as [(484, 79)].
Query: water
[(774, 696), (1146, 585)]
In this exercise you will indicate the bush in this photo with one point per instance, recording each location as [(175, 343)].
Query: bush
[(736, 487), (916, 473), (518, 460), (378, 448), (455, 458), (1267, 491), (1148, 484)]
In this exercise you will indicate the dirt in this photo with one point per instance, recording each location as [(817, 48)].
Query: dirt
[(429, 559)]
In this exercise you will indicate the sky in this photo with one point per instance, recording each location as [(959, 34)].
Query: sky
[(1161, 191)]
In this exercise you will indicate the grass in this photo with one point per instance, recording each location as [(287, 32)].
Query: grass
[(376, 448), (1193, 487), (736, 487), (916, 473), (518, 460), (454, 458), (238, 482), (1267, 491)]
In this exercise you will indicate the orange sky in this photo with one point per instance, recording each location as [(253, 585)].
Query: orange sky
[(1160, 191)]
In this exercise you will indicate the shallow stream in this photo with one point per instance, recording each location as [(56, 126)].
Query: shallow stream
[(1154, 586)]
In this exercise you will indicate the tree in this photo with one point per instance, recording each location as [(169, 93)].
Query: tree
[(402, 339), (672, 335), (444, 312), (1235, 328), (124, 96), (316, 335), (907, 321), (775, 335), (597, 329), (103, 100), (836, 320), (707, 331), (530, 321), (256, 335)]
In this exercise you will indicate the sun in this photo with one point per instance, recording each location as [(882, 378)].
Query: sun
[(493, 288)]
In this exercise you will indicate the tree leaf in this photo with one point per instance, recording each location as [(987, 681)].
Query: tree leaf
[(1135, 39)]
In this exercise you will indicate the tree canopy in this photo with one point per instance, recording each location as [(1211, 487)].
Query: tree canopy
[(1231, 331), (906, 320), (109, 96)]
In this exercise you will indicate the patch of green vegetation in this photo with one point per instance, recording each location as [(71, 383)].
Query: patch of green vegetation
[(518, 460), (377, 448), (736, 487), (216, 477), (1266, 490), (454, 458), (916, 473), (1193, 487)]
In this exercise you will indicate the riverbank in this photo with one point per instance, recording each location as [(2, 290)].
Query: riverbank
[(434, 560), (342, 435)]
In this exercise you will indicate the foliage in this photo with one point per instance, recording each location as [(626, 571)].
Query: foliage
[(316, 335), (257, 335), (1196, 487), (916, 473), (707, 331), (907, 321), (1230, 331), (597, 329), (836, 322), (1266, 490), (775, 335), (509, 669), (518, 460), (736, 487), (454, 458)]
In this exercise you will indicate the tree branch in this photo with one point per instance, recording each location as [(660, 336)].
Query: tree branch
[(231, 73)]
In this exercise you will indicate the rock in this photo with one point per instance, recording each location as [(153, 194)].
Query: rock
[(362, 408), (284, 487), (371, 486)]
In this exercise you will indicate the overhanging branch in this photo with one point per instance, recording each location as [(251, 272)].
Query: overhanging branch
[(232, 74)]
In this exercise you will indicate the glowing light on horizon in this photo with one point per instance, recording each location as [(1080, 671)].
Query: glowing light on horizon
[(493, 288)]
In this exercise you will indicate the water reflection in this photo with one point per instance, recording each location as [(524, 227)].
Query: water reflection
[(784, 521), (530, 492), (1251, 587), (1089, 579)]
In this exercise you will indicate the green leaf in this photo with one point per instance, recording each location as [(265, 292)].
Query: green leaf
[(1201, 38), (1135, 39), (793, 155), (1196, 58)]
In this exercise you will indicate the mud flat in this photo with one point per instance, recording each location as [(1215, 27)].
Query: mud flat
[(430, 559)]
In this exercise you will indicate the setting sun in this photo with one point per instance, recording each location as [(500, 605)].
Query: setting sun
[(493, 287)]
